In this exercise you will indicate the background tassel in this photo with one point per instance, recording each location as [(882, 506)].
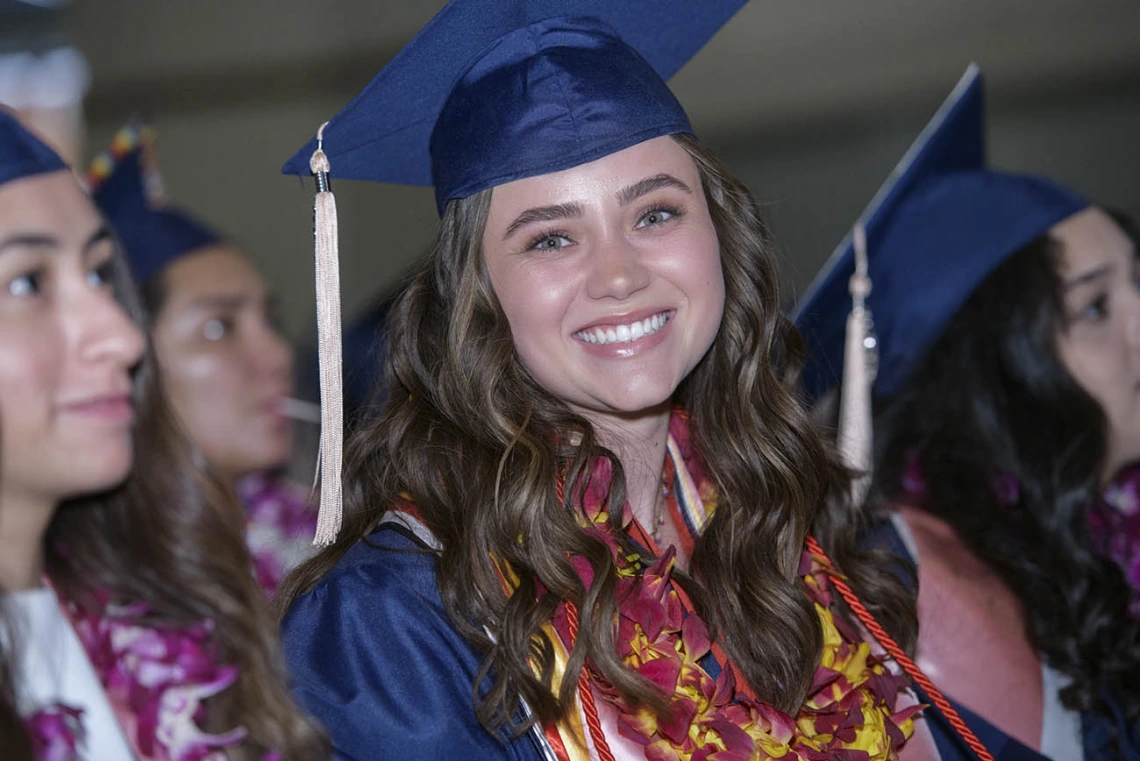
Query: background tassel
[(329, 349), (860, 364)]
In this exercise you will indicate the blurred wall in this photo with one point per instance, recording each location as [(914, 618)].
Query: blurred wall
[(811, 103)]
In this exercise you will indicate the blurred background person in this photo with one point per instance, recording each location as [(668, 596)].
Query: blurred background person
[(223, 362), (130, 628), (1006, 310)]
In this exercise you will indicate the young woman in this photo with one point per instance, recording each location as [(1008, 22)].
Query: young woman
[(225, 366), (1008, 324), (133, 629), (577, 529)]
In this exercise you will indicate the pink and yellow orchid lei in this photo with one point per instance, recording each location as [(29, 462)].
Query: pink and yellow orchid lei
[(158, 675), (851, 710)]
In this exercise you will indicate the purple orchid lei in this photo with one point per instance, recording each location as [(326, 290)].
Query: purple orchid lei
[(159, 674), (1113, 519), (1114, 528), (279, 529), (56, 733)]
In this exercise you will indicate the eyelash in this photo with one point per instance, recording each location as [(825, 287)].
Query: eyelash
[(672, 211)]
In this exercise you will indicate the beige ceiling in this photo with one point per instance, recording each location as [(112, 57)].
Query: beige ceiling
[(776, 63)]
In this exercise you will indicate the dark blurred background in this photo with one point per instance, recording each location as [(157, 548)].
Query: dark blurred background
[(810, 102)]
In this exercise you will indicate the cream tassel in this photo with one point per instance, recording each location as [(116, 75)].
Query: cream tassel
[(329, 349), (860, 364)]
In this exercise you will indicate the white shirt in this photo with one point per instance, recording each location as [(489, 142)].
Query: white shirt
[(53, 668)]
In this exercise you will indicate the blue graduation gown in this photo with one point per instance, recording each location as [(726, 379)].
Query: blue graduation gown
[(374, 658), (1097, 730)]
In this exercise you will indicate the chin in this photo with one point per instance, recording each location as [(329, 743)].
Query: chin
[(96, 477)]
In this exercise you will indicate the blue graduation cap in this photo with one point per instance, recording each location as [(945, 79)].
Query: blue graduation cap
[(492, 91), (496, 90), (123, 181), (22, 154), (936, 229)]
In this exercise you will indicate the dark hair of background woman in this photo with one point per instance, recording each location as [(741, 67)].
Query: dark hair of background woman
[(173, 537), (475, 441), (991, 398)]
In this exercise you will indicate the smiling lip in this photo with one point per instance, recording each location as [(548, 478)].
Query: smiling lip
[(107, 408), (628, 335)]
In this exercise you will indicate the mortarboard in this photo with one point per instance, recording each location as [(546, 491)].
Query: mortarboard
[(22, 154), (936, 229), (495, 90), (125, 184), (488, 92)]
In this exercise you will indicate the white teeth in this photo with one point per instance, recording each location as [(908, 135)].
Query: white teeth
[(625, 333)]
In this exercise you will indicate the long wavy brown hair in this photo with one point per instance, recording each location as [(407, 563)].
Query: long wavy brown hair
[(476, 442), (172, 536)]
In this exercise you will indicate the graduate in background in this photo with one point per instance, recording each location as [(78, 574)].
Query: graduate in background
[(1006, 323), (224, 364), (132, 630), (581, 525)]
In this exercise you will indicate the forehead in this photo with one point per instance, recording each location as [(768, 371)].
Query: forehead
[(218, 270), (1089, 239), (603, 177), (48, 203)]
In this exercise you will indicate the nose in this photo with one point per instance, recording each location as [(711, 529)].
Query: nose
[(617, 271), (272, 354), (1133, 327), (106, 333)]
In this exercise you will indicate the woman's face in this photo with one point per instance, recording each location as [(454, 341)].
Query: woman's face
[(67, 349), (225, 367), (1101, 345), (609, 274)]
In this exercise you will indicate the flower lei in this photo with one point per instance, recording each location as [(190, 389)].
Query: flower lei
[(1113, 519), (850, 712), (161, 674), (279, 528), (1114, 528)]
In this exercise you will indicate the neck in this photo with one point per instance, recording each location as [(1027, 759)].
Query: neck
[(23, 523), (640, 443)]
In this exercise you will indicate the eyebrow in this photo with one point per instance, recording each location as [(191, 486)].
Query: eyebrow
[(640, 188), (544, 214), (1087, 278), (223, 302), (625, 197), (43, 240)]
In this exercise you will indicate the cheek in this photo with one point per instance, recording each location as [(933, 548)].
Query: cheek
[(697, 270), (1102, 370), (30, 373), (206, 381), (535, 301)]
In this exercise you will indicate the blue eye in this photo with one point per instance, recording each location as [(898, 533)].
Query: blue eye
[(658, 216), (28, 284), (549, 242)]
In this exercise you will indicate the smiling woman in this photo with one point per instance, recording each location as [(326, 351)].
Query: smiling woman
[(577, 528), (132, 628)]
